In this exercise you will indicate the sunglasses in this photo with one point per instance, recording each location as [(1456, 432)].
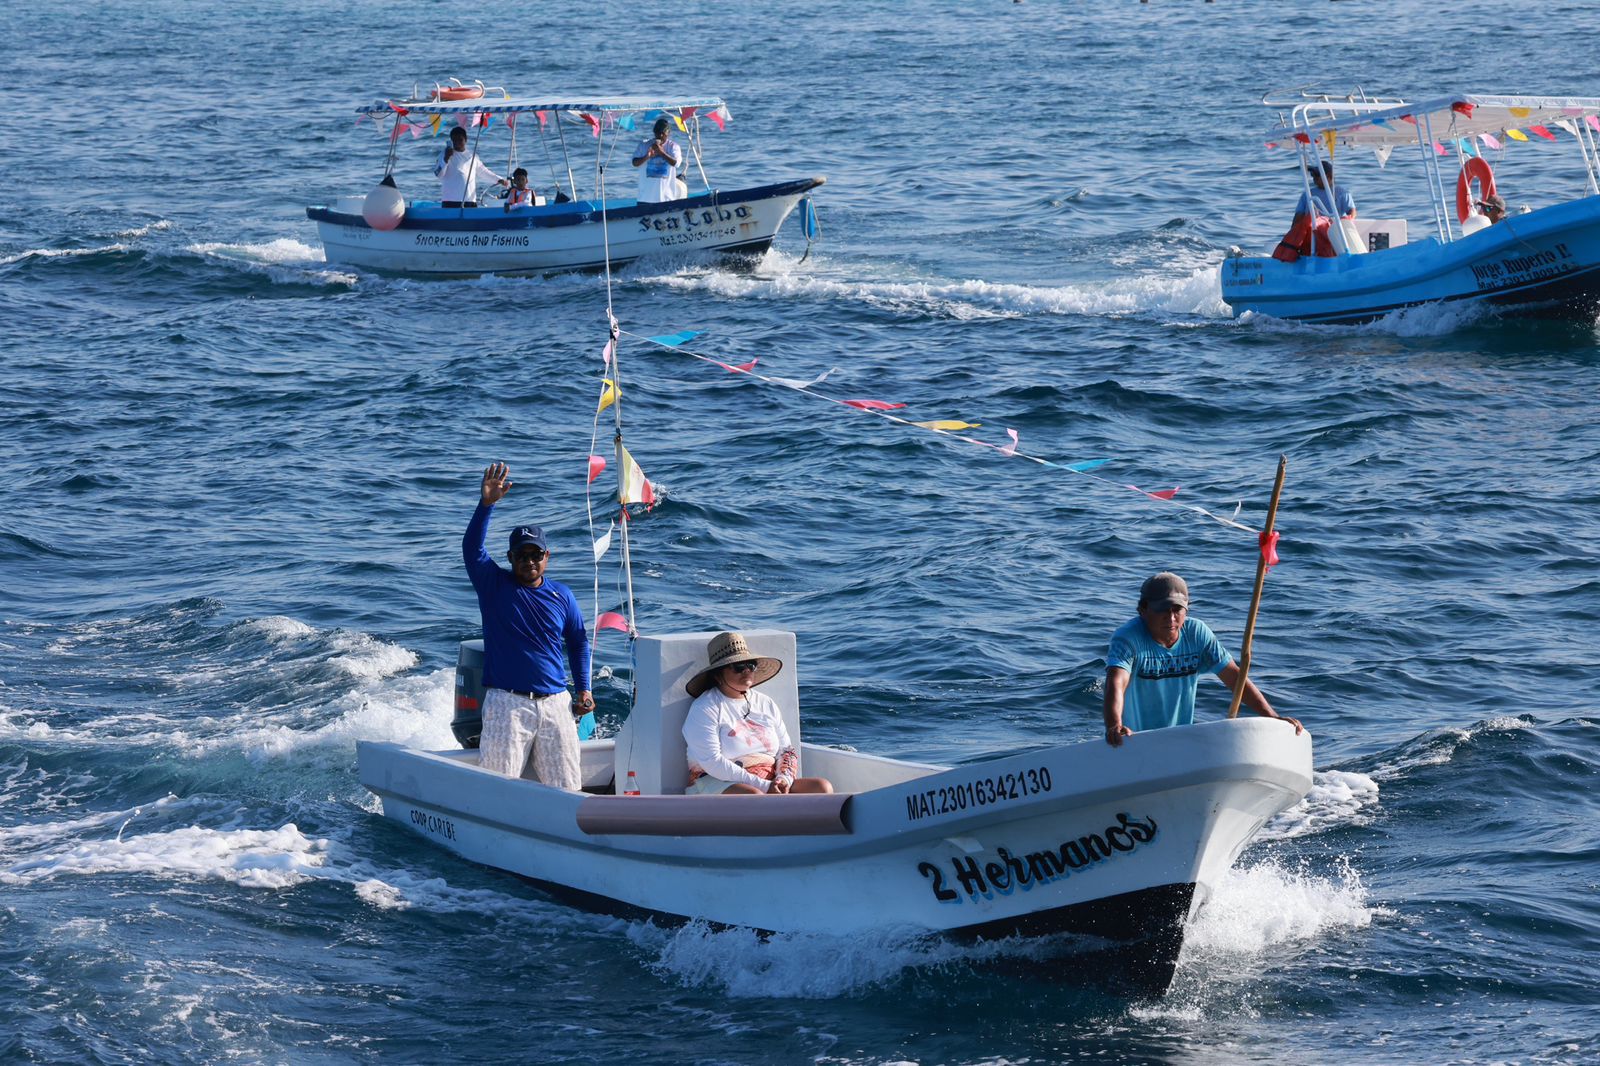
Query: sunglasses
[(532, 555), (743, 668)]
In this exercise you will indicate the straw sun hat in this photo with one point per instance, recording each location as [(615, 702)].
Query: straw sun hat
[(726, 649)]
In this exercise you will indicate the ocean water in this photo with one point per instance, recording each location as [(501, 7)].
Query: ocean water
[(235, 479)]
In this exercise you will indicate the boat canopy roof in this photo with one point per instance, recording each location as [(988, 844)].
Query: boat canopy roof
[(511, 105), (1384, 123)]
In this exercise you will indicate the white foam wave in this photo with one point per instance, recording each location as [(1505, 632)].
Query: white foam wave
[(1425, 320), (60, 253), (1439, 746), (414, 711), (280, 629), (1337, 797), (145, 231), (1199, 293), (253, 858), (275, 258), (1253, 908), (369, 658), (741, 963), (31, 835)]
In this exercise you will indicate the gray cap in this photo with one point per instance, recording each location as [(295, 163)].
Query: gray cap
[(1164, 590)]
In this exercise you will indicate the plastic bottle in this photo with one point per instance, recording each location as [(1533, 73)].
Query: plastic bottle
[(631, 786)]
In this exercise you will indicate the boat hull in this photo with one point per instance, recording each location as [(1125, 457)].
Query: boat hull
[(464, 242), (1546, 262), (1117, 847)]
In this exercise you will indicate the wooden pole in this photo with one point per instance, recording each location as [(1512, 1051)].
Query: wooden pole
[(1255, 599)]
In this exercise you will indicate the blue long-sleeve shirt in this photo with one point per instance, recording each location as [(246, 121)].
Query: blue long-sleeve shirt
[(525, 629)]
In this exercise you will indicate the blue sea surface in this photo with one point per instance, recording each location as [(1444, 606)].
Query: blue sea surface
[(235, 478)]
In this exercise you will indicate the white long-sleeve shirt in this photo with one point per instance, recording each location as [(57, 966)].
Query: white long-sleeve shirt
[(719, 729), (458, 176)]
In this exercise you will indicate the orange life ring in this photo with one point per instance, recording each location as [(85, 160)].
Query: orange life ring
[(458, 92), (1475, 169)]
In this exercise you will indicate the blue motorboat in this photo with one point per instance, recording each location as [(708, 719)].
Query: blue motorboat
[(1540, 261)]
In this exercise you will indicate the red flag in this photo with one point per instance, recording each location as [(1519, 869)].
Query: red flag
[(1269, 547), (742, 368), (1541, 131), (716, 116), (872, 405), (611, 620), (1302, 138), (1461, 107), (596, 464), (594, 123)]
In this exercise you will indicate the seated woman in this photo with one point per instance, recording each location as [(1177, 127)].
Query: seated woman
[(736, 736)]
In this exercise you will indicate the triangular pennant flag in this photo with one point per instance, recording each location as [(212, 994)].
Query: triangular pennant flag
[(603, 545), (1542, 132), (1010, 449), (689, 111), (434, 122), (1382, 152), (1593, 121), (742, 368), (1461, 107), (607, 352), (594, 123), (1090, 464), (608, 395), (872, 405), (632, 485), (611, 620), (1516, 135), (720, 117), (1330, 138), (1466, 146), (1489, 140), (1568, 125), (511, 121), (1520, 112), (679, 122), (484, 120), (1438, 149), (1161, 494), (597, 463), (627, 122), (796, 383), (544, 117), (676, 340), (945, 425)]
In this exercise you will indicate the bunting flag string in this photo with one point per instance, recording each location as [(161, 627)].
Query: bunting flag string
[(943, 427)]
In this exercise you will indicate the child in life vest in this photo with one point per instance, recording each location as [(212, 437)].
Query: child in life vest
[(520, 195)]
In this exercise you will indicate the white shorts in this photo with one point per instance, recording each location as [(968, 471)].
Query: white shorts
[(513, 724)]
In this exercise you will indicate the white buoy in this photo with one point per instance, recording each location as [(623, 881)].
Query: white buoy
[(384, 207)]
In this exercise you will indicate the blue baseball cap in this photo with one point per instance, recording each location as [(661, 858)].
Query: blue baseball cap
[(523, 536)]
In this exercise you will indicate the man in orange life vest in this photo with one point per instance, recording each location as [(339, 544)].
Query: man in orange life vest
[(1312, 214)]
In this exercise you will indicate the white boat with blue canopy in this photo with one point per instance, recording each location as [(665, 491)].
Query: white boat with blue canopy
[(565, 225), (1540, 259)]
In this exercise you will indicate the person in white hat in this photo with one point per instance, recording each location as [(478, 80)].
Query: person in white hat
[(736, 737), (1155, 661)]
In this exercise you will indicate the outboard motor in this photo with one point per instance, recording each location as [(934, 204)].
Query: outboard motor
[(468, 721)]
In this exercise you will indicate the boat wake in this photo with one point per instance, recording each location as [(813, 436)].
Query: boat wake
[(284, 260), (781, 277), (1254, 909)]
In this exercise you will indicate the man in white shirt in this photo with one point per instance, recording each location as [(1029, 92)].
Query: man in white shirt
[(661, 157), (459, 170)]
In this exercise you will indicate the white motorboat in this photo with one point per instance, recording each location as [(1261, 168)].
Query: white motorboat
[(1541, 260), (1108, 850), (562, 227)]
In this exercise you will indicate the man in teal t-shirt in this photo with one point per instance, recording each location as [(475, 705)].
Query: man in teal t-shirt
[(1155, 661)]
